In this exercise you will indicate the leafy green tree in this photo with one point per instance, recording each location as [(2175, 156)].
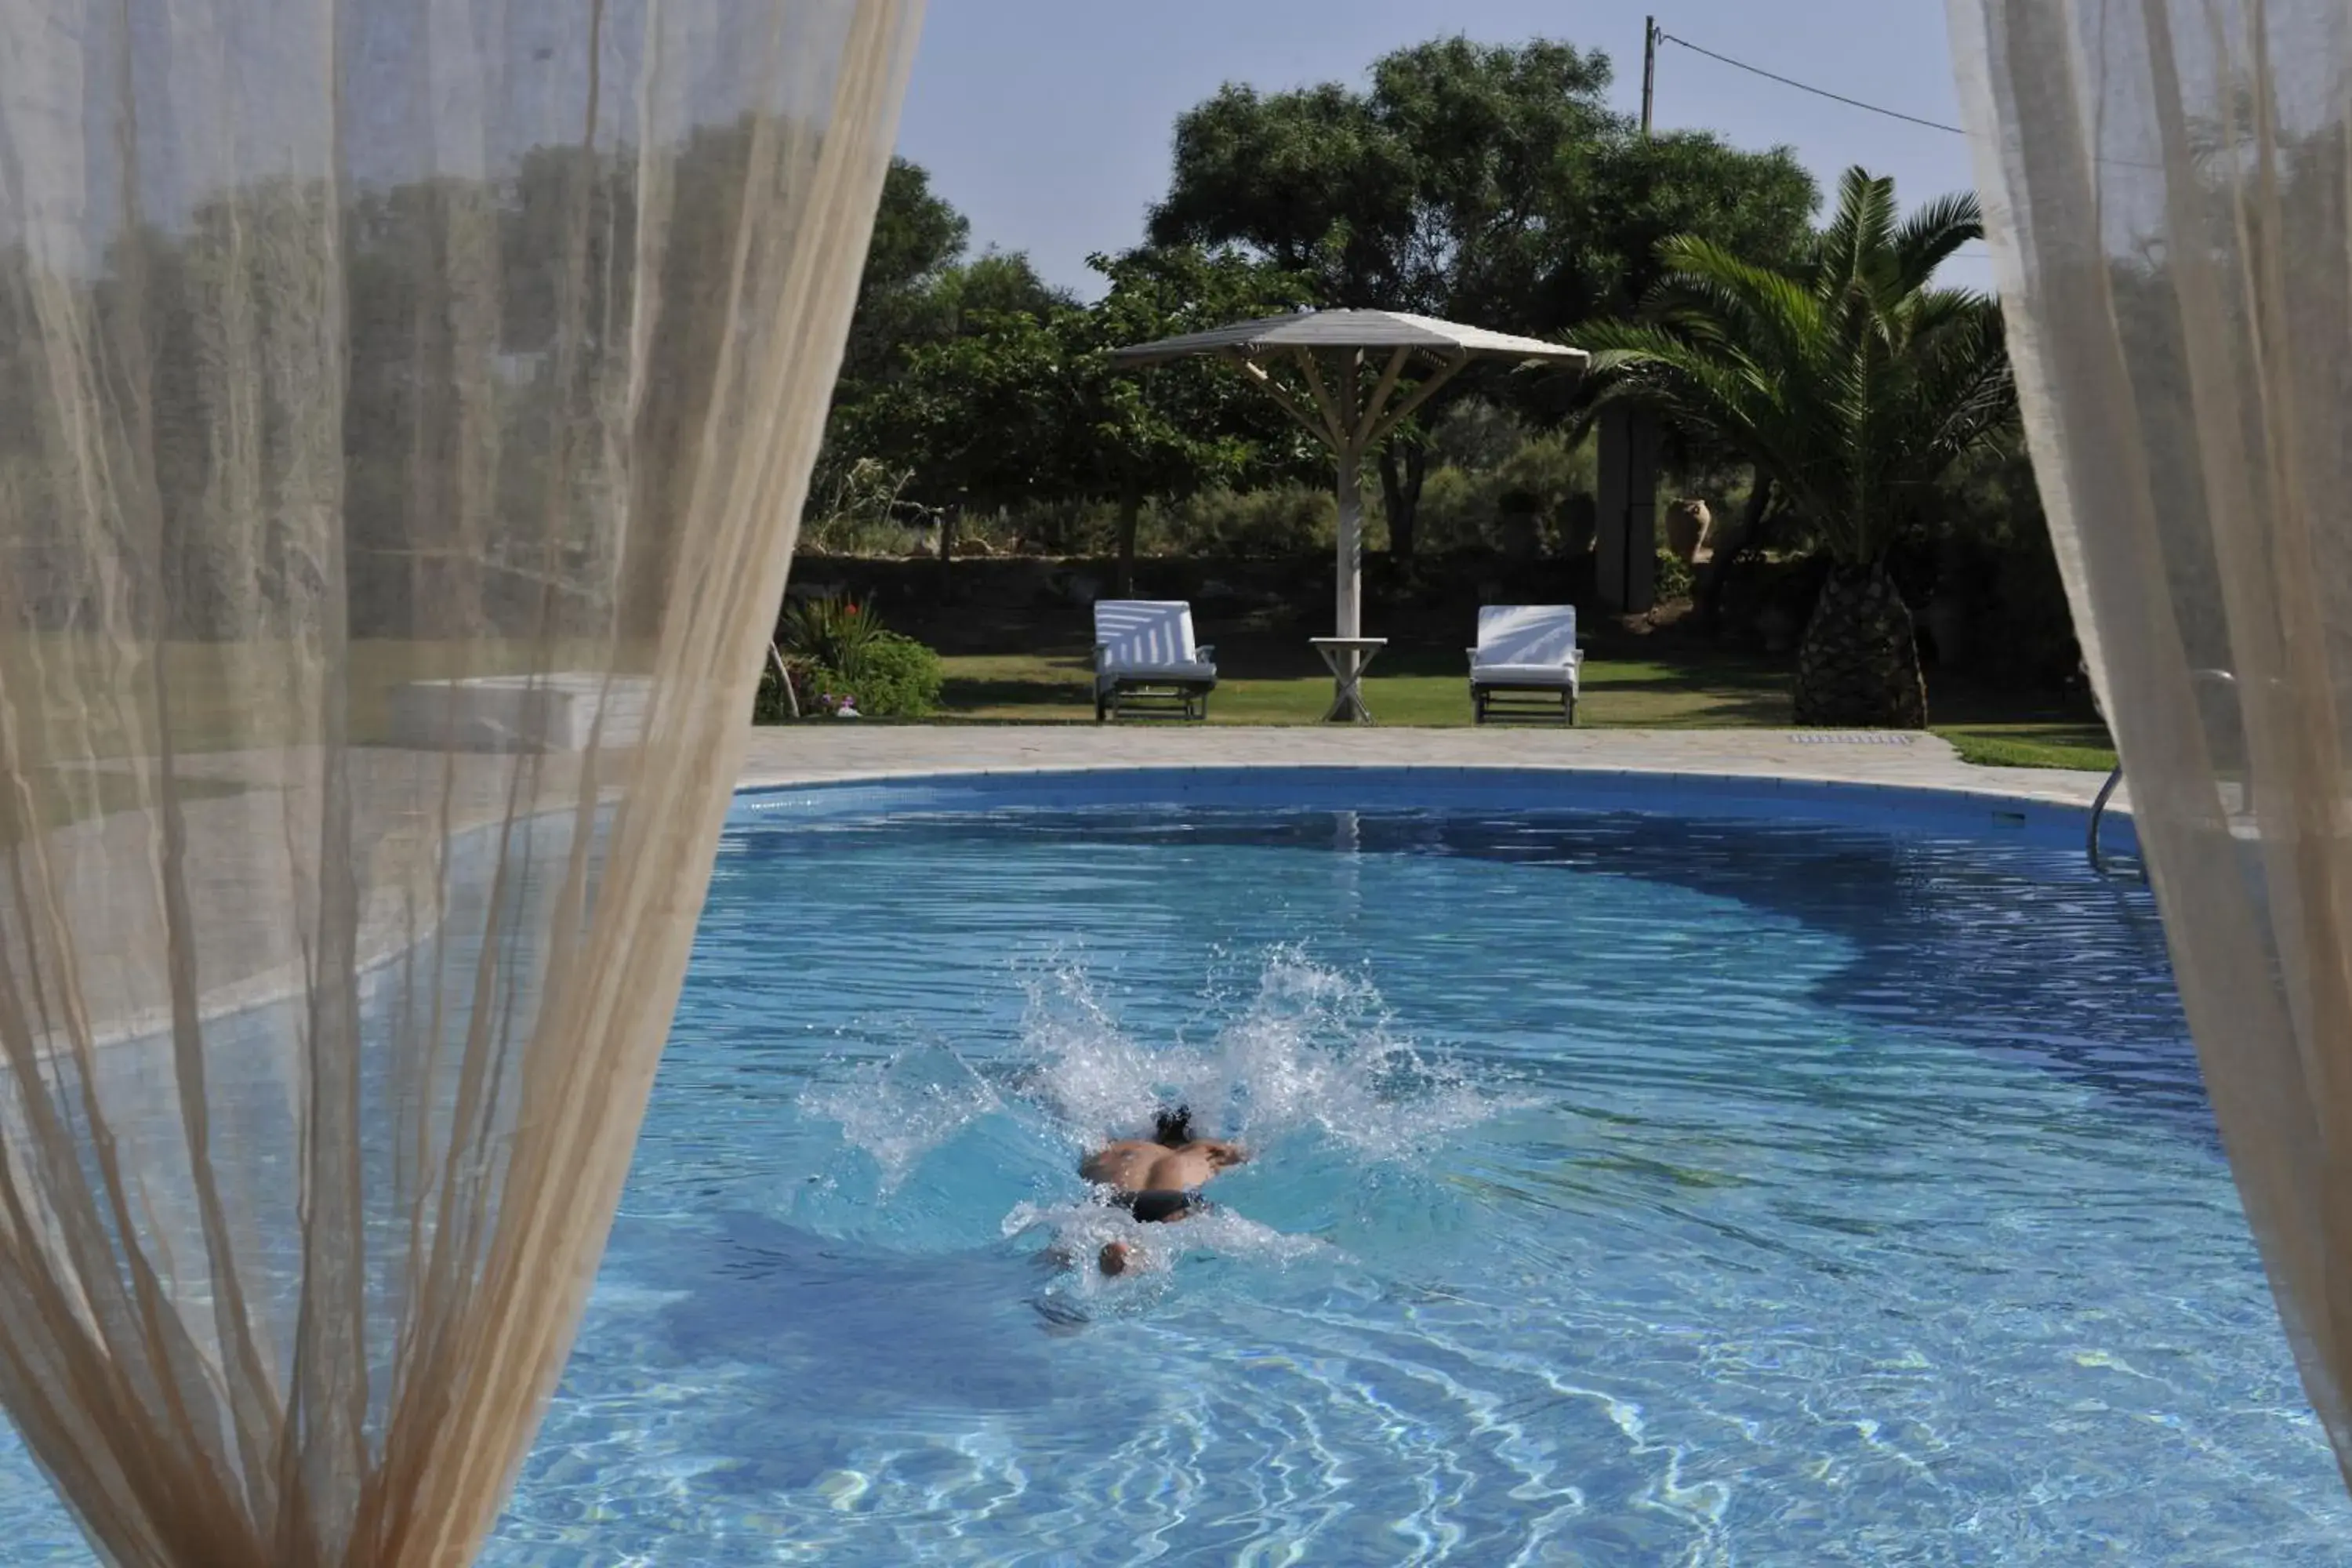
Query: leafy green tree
[(1490, 185), (1186, 425), (1853, 384), (919, 285), (980, 419), (918, 238), (999, 283), (1018, 400), (917, 233), (927, 316)]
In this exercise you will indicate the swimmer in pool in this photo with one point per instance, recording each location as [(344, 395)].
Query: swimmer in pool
[(1171, 1161), (1158, 1180)]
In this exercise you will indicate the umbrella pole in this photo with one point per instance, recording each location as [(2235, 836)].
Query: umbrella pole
[(1347, 662), (1350, 617)]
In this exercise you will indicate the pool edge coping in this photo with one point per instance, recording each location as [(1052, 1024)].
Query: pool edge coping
[(928, 775)]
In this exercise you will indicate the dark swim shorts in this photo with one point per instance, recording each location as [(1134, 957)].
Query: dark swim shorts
[(1159, 1205)]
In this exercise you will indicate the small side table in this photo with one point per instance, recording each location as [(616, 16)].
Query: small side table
[(1349, 657)]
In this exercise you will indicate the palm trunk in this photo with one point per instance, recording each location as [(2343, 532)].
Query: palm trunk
[(1858, 666)]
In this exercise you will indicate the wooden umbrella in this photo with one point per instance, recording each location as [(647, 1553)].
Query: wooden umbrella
[(1333, 354)]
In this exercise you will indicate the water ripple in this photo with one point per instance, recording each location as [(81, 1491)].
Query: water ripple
[(1679, 1191), (1689, 1192)]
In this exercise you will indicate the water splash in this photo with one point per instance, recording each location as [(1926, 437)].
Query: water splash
[(1311, 1050), (1077, 1233), (1302, 1062), (898, 1110)]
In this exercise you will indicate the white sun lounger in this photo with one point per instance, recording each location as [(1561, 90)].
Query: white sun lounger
[(1146, 660), (1527, 663)]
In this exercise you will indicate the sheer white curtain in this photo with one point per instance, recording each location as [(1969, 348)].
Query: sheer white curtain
[(406, 407), (2168, 188)]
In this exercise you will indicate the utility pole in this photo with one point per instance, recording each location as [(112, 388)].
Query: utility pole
[(1649, 69)]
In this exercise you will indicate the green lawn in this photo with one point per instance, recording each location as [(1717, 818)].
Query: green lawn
[(1404, 688), (1266, 681), (2033, 745)]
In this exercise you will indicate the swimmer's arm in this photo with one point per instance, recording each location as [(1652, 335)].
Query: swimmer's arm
[(1225, 1153)]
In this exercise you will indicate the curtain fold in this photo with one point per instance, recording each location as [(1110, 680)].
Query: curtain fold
[(405, 412), (2168, 195)]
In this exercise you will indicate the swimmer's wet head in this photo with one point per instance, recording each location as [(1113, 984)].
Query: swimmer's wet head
[(1173, 1128)]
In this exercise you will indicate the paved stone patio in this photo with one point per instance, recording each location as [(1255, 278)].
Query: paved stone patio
[(812, 753)]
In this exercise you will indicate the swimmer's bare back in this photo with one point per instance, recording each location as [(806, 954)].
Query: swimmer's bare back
[(1122, 1164), (1133, 1165)]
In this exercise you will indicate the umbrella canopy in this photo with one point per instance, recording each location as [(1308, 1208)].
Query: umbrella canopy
[(1331, 351), (1342, 330)]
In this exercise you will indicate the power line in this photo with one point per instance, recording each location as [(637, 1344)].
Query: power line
[(1665, 36), (1657, 34)]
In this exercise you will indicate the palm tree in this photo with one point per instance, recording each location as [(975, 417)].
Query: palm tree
[(1851, 386)]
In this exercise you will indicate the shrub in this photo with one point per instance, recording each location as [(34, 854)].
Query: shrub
[(895, 678), (819, 691), (833, 648), (857, 507), (1761, 587), (1281, 520), (829, 630), (1464, 508), (1673, 577)]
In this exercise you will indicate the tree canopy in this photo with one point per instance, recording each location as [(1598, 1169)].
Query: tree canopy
[(1193, 422), (918, 236), (1185, 425), (1490, 185), (1021, 400)]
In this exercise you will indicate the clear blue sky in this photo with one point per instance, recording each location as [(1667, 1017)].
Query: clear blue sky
[(1048, 121)]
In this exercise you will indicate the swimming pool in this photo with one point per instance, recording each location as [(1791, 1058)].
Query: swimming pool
[(1695, 1186), (1649, 1171)]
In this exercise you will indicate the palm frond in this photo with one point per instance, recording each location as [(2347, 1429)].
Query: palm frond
[(1931, 310), (1847, 380), (1861, 229), (1930, 237), (1967, 393), (1710, 295)]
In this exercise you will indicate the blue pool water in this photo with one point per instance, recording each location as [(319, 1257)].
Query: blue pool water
[(1705, 1187), (1628, 1190)]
